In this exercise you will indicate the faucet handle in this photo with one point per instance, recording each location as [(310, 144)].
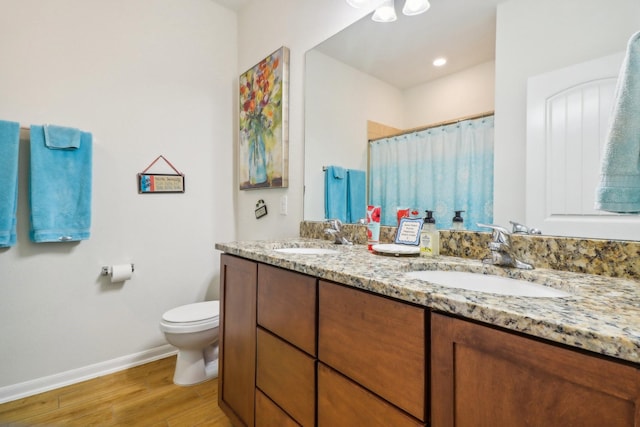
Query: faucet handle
[(519, 228), (499, 235), (523, 229), (336, 224)]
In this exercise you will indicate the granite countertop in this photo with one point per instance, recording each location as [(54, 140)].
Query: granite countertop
[(602, 314)]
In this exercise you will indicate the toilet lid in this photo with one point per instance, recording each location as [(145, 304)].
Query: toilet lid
[(193, 312)]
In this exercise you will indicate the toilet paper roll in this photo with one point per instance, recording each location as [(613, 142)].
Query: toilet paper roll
[(121, 272)]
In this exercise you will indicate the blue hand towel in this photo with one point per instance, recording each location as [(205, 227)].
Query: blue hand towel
[(9, 148), (335, 193), (619, 187), (60, 137), (356, 195), (60, 188)]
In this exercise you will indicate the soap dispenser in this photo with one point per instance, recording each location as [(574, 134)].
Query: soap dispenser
[(429, 236), (458, 222)]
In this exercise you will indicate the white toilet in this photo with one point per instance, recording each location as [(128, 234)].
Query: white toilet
[(193, 328)]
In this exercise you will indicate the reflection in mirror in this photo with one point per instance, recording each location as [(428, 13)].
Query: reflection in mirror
[(452, 166), (373, 76), (535, 36)]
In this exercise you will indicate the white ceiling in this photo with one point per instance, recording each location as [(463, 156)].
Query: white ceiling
[(401, 52)]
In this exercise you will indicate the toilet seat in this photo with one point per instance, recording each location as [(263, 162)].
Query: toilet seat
[(189, 318)]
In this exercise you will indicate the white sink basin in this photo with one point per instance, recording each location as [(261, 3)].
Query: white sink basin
[(487, 283), (307, 251)]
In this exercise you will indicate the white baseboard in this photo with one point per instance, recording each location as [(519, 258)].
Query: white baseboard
[(40, 385)]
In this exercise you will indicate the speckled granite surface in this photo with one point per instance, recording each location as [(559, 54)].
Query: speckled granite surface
[(612, 258), (602, 314)]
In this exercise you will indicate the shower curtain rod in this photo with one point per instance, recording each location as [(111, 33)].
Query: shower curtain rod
[(435, 125)]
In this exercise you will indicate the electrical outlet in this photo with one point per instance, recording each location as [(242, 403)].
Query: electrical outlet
[(283, 205)]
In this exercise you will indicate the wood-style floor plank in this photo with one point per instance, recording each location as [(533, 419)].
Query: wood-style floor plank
[(140, 396)]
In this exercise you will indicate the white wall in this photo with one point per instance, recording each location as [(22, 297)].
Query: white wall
[(339, 101), (147, 77), (264, 26), (461, 94), (534, 37)]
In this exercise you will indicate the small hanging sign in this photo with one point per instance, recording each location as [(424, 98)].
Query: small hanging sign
[(261, 209), (160, 183)]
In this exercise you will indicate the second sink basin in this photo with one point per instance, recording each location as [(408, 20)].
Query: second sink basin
[(307, 251), (487, 283)]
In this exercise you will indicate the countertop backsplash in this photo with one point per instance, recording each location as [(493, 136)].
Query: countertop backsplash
[(613, 258)]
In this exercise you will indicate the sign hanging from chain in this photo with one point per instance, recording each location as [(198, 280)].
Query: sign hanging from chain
[(160, 183)]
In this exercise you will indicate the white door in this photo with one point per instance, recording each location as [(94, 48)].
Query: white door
[(567, 120)]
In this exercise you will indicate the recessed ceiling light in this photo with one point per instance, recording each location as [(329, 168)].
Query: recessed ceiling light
[(439, 62)]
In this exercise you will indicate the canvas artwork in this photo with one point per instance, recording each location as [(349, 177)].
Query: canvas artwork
[(264, 139)]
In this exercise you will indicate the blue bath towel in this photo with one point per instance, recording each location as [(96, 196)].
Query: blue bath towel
[(356, 195), (335, 193), (619, 187), (9, 147), (60, 188)]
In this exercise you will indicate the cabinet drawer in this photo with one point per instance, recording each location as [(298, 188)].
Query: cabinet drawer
[(377, 342), (287, 306), (287, 376), (342, 402), (268, 414)]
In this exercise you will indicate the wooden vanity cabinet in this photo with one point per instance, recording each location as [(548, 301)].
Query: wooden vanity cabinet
[(481, 376), (237, 346), (296, 350), (377, 343)]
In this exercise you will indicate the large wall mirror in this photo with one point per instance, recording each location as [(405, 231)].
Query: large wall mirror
[(383, 73)]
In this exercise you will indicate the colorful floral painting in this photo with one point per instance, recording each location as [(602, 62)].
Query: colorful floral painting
[(264, 139)]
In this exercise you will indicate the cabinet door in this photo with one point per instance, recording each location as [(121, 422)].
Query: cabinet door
[(236, 383), (341, 402), (287, 306), (487, 377), (377, 342), (288, 376)]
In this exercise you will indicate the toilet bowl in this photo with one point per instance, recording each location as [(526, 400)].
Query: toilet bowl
[(193, 329)]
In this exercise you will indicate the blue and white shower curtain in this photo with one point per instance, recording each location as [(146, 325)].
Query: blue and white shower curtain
[(443, 169)]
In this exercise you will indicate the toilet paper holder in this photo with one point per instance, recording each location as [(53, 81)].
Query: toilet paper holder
[(106, 270)]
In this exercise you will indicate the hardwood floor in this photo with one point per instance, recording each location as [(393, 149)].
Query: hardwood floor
[(140, 396)]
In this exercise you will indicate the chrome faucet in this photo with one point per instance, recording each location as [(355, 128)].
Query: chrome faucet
[(523, 229), (501, 250), (336, 231)]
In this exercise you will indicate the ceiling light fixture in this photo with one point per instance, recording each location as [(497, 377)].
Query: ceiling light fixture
[(415, 7), (386, 12)]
